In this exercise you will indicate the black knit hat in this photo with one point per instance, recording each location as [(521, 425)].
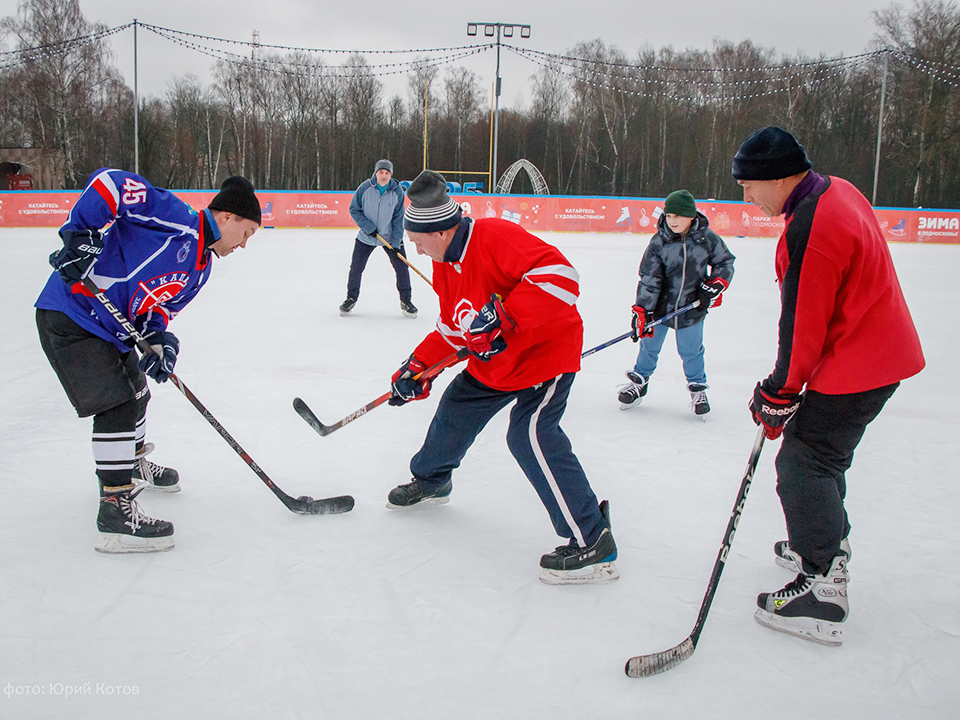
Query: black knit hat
[(237, 196), (383, 165), (770, 154), (431, 209), (680, 202)]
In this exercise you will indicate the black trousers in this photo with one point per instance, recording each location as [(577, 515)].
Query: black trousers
[(361, 253), (817, 451)]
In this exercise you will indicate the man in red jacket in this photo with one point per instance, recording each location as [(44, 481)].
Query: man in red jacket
[(846, 341), (510, 300)]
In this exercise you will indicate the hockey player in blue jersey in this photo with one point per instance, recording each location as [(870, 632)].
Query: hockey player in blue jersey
[(150, 254)]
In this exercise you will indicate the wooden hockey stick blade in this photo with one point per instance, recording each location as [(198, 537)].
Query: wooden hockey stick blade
[(647, 665)]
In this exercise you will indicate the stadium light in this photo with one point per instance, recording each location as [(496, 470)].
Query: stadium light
[(506, 30)]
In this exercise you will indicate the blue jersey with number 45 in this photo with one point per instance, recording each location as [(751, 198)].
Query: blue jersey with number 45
[(153, 261)]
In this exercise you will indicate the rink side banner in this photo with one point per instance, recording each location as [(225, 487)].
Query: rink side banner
[(548, 213)]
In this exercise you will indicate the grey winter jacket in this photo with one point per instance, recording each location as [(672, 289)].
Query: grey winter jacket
[(673, 267), (373, 212)]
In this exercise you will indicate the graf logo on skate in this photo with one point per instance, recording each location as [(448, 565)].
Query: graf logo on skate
[(157, 291)]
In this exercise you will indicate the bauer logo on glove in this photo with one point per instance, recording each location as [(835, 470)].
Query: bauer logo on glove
[(484, 336)]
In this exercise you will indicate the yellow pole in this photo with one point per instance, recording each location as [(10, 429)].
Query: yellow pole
[(490, 162)]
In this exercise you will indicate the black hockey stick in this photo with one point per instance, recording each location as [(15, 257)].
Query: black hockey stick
[(647, 665), (303, 505), (313, 421), (652, 323)]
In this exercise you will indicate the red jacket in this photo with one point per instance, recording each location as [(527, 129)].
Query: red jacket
[(539, 288), (844, 325)]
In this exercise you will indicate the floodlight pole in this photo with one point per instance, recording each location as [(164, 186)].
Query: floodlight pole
[(488, 29), (136, 106)]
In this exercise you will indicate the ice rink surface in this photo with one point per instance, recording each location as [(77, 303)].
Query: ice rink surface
[(437, 613)]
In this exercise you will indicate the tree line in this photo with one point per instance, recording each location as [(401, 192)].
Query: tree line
[(599, 122)]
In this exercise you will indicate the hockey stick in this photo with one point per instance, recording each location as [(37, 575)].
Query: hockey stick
[(396, 252), (652, 323), (647, 665), (431, 372), (303, 505)]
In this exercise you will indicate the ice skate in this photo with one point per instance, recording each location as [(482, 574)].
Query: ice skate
[(156, 477), (787, 558), (574, 565), (811, 606), (346, 306), (125, 529), (408, 309), (631, 394), (414, 494), (698, 398)]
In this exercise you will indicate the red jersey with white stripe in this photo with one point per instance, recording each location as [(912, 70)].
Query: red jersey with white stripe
[(539, 288)]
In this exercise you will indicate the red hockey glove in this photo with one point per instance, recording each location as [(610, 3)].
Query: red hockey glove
[(638, 323), (484, 336), (406, 383), (772, 411), (711, 292)]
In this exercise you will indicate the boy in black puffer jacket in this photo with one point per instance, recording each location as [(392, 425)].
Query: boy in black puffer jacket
[(685, 262)]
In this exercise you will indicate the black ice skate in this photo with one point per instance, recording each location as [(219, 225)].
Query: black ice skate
[(153, 476), (811, 606), (631, 394), (574, 565), (413, 493), (787, 558), (408, 309), (125, 529), (347, 305), (698, 398)]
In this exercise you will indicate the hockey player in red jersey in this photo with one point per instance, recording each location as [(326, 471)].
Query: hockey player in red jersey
[(846, 342), (509, 298)]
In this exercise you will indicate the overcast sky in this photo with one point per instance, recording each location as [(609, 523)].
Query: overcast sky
[(831, 27)]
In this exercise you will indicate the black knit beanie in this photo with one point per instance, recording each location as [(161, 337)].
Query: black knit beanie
[(431, 209), (770, 154), (237, 196), (680, 202)]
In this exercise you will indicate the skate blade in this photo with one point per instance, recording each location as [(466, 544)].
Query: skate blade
[(116, 543), (590, 575), (429, 502), (158, 488), (818, 631), (412, 316)]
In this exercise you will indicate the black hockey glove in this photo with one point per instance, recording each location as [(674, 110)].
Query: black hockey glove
[(159, 364), (80, 251), (406, 383), (484, 336), (711, 292), (773, 411)]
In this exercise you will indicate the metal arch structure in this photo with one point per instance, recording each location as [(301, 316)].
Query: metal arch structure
[(536, 177)]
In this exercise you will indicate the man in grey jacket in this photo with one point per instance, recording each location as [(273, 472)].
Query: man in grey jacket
[(377, 209)]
